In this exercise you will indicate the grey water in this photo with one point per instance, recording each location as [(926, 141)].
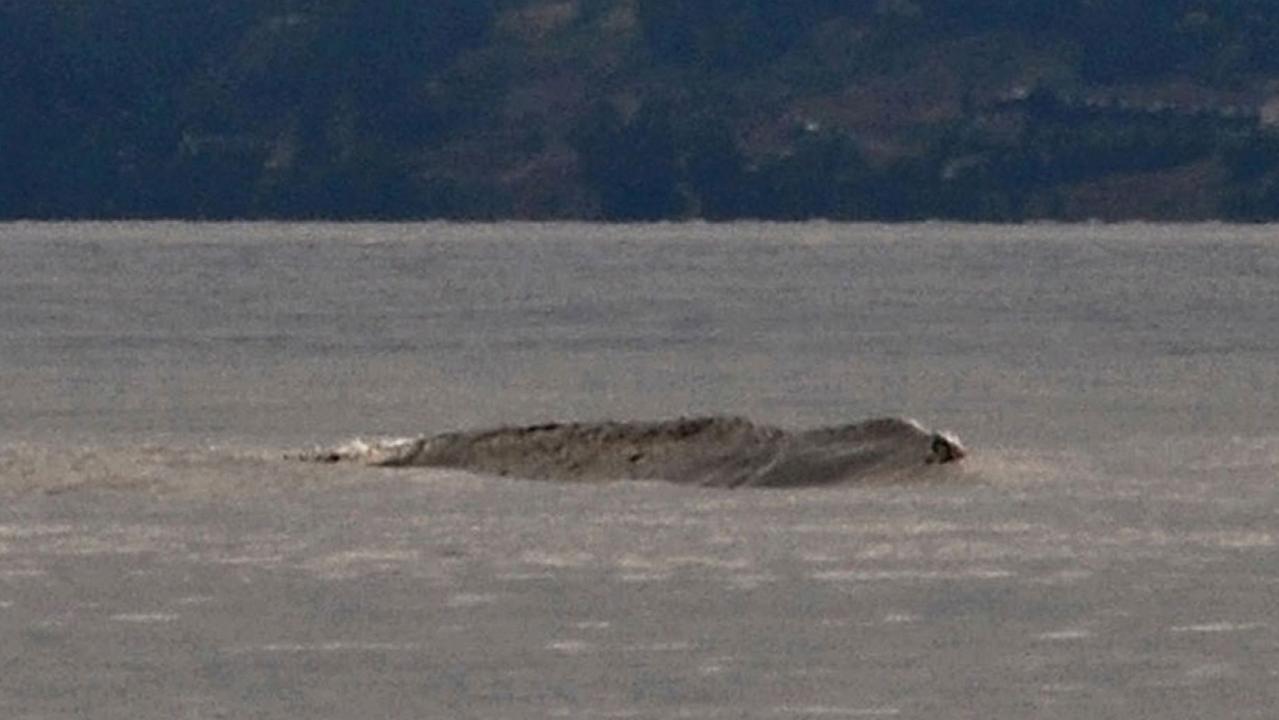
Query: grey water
[(1108, 549)]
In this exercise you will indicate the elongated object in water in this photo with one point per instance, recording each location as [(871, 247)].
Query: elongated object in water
[(712, 451)]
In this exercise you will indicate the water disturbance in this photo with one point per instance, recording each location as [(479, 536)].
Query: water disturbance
[(710, 451), (1107, 548)]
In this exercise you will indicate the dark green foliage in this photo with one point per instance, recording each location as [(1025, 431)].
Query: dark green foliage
[(631, 165), (448, 108), (153, 108), (1251, 156), (728, 35), (714, 169), (823, 178), (1252, 161)]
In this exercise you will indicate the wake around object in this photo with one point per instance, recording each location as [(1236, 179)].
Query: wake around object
[(716, 451)]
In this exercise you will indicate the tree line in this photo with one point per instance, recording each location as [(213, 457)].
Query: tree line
[(386, 109)]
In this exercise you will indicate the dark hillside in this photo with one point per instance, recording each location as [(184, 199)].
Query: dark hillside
[(640, 109)]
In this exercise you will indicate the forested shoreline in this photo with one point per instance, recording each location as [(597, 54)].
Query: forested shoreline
[(993, 110)]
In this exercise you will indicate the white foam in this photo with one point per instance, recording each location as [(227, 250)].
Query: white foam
[(1064, 635), (707, 561), (361, 561), (195, 600), (570, 647), (640, 577), (145, 618), (250, 560), (1239, 539), (900, 618), (659, 647), (976, 573), (326, 647), (18, 532), (1223, 626), (831, 711), (557, 560), (525, 576)]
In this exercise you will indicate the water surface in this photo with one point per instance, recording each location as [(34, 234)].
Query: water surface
[(1109, 549)]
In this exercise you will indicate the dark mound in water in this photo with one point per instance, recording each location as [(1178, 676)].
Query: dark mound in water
[(712, 451)]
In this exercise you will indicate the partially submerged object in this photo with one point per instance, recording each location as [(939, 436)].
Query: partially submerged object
[(712, 451)]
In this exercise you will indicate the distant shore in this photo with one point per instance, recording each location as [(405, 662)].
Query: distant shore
[(641, 110)]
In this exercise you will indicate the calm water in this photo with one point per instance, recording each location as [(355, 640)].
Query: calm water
[(1109, 550)]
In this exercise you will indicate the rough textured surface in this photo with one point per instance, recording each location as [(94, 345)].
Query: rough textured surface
[(713, 451)]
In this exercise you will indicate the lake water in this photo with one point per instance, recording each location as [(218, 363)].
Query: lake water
[(1109, 549)]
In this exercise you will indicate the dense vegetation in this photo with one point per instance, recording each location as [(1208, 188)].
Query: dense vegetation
[(640, 109)]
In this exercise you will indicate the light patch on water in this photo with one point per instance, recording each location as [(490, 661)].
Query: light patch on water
[(716, 665), (643, 577), (832, 711), (145, 618), (557, 560), (1223, 626), (1063, 577), (1016, 528), (467, 600), (1063, 688), (1212, 671), (975, 550), (594, 713), (1235, 539), (893, 551), (636, 562), (1128, 537), (707, 561), (677, 562), (326, 647), (900, 618), (592, 625), (750, 582), (113, 540), (649, 520), (249, 560), (570, 647), (195, 600), (905, 528), (1010, 467), (724, 539), (372, 555), (13, 573), (659, 647), (22, 532), (976, 573), (524, 576), (362, 561), (1064, 635)]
